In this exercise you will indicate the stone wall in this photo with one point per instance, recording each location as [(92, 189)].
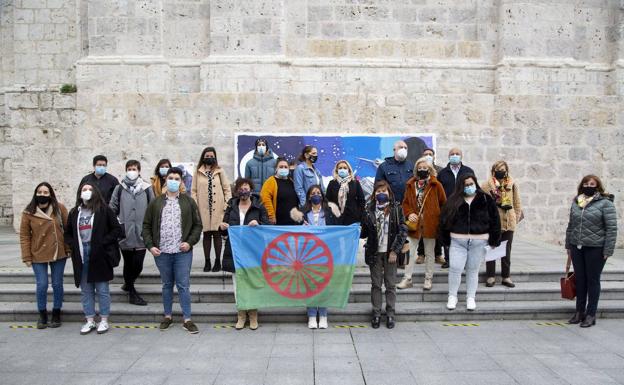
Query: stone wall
[(538, 83)]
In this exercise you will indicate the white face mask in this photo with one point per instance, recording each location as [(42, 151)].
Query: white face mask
[(86, 195), (429, 159), (132, 175), (401, 153)]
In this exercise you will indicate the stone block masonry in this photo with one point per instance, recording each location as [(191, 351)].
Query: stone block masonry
[(536, 83)]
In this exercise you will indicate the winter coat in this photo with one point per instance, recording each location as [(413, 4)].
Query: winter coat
[(131, 212), (509, 218), (331, 213), (255, 212), (268, 196), (479, 217), (106, 184), (221, 194), (190, 221), (104, 247), (260, 168), (448, 180), (41, 236), (434, 198), (354, 207), (396, 174), (306, 177), (397, 232), (593, 226)]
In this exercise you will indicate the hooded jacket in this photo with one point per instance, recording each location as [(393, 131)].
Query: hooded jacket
[(260, 168), (130, 210), (593, 226)]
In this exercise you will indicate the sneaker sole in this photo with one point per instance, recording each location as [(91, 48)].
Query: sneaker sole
[(167, 328), (85, 333), (102, 332), (190, 332)]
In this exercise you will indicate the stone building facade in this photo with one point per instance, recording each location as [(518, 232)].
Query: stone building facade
[(536, 82)]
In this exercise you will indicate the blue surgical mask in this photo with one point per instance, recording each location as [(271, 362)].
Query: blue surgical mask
[(470, 190), (173, 185), (100, 170), (455, 159), (343, 172), (283, 173), (261, 150), (381, 198), (316, 199), (163, 171)]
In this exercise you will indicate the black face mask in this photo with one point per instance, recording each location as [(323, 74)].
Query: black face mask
[(313, 158), (422, 174), (589, 191), (43, 199), (500, 174), (210, 161)]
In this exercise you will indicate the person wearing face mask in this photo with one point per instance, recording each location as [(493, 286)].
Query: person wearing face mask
[(211, 191), (448, 176), (306, 175), (92, 232), (278, 195), (505, 192), (158, 180), (129, 201), (317, 212), (469, 224), (243, 210), (43, 244), (422, 204), (101, 179), (171, 227), (396, 171), (261, 166), (346, 192), (383, 227), (429, 155), (590, 240)]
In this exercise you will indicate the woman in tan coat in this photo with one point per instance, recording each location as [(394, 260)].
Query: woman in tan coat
[(211, 190), (505, 191), (42, 244), (422, 204)]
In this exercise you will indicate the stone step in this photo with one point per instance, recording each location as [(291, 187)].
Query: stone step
[(357, 312), (361, 276), (360, 293)]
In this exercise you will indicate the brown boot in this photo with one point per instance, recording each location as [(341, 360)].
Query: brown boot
[(242, 319), (253, 319)]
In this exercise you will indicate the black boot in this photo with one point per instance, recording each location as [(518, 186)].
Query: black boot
[(577, 318), (43, 319), (56, 318), (217, 266), (135, 299), (590, 320), (207, 266)]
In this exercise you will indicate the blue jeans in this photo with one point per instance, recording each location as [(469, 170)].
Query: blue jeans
[(88, 290), (41, 278), (468, 253), (176, 268), (313, 311)]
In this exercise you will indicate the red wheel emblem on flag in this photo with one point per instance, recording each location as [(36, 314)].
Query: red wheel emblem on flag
[(297, 265)]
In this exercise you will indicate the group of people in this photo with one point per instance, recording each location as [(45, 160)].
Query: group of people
[(414, 212)]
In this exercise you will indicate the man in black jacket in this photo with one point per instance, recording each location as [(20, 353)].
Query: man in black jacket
[(448, 177), (99, 178)]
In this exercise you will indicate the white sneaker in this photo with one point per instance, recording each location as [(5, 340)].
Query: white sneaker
[(322, 323), (452, 302), (405, 283), (471, 304), (87, 328), (312, 323), (102, 327)]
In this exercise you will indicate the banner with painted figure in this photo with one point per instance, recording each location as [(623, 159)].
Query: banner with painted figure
[(364, 152), (285, 266)]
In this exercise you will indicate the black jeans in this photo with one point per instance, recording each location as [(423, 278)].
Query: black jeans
[(133, 265), (588, 263), (437, 250), (490, 266)]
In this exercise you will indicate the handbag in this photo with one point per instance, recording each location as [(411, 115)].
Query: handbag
[(568, 286), (414, 226)]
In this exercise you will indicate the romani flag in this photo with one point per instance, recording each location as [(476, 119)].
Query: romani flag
[(279, 266)]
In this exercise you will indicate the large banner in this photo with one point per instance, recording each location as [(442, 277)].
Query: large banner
[(284, 266), (364, 152)]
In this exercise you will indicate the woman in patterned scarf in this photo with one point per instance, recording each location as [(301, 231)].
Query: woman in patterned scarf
[(346, 192)]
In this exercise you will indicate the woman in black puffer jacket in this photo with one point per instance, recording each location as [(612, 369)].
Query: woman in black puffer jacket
[(590, 240), (469, 224)]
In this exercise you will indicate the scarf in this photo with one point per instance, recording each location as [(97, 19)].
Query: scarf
[(133, 186), (501, 192), (381, 223), (420, 191), (343, 191), (582, 200), (210, 176)]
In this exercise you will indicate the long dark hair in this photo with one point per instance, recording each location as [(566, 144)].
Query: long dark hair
[(372, 202), (159, 164), (32, 206), (306, 150), (96, 203), (308, 205), (450, 208), (203, 153)]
